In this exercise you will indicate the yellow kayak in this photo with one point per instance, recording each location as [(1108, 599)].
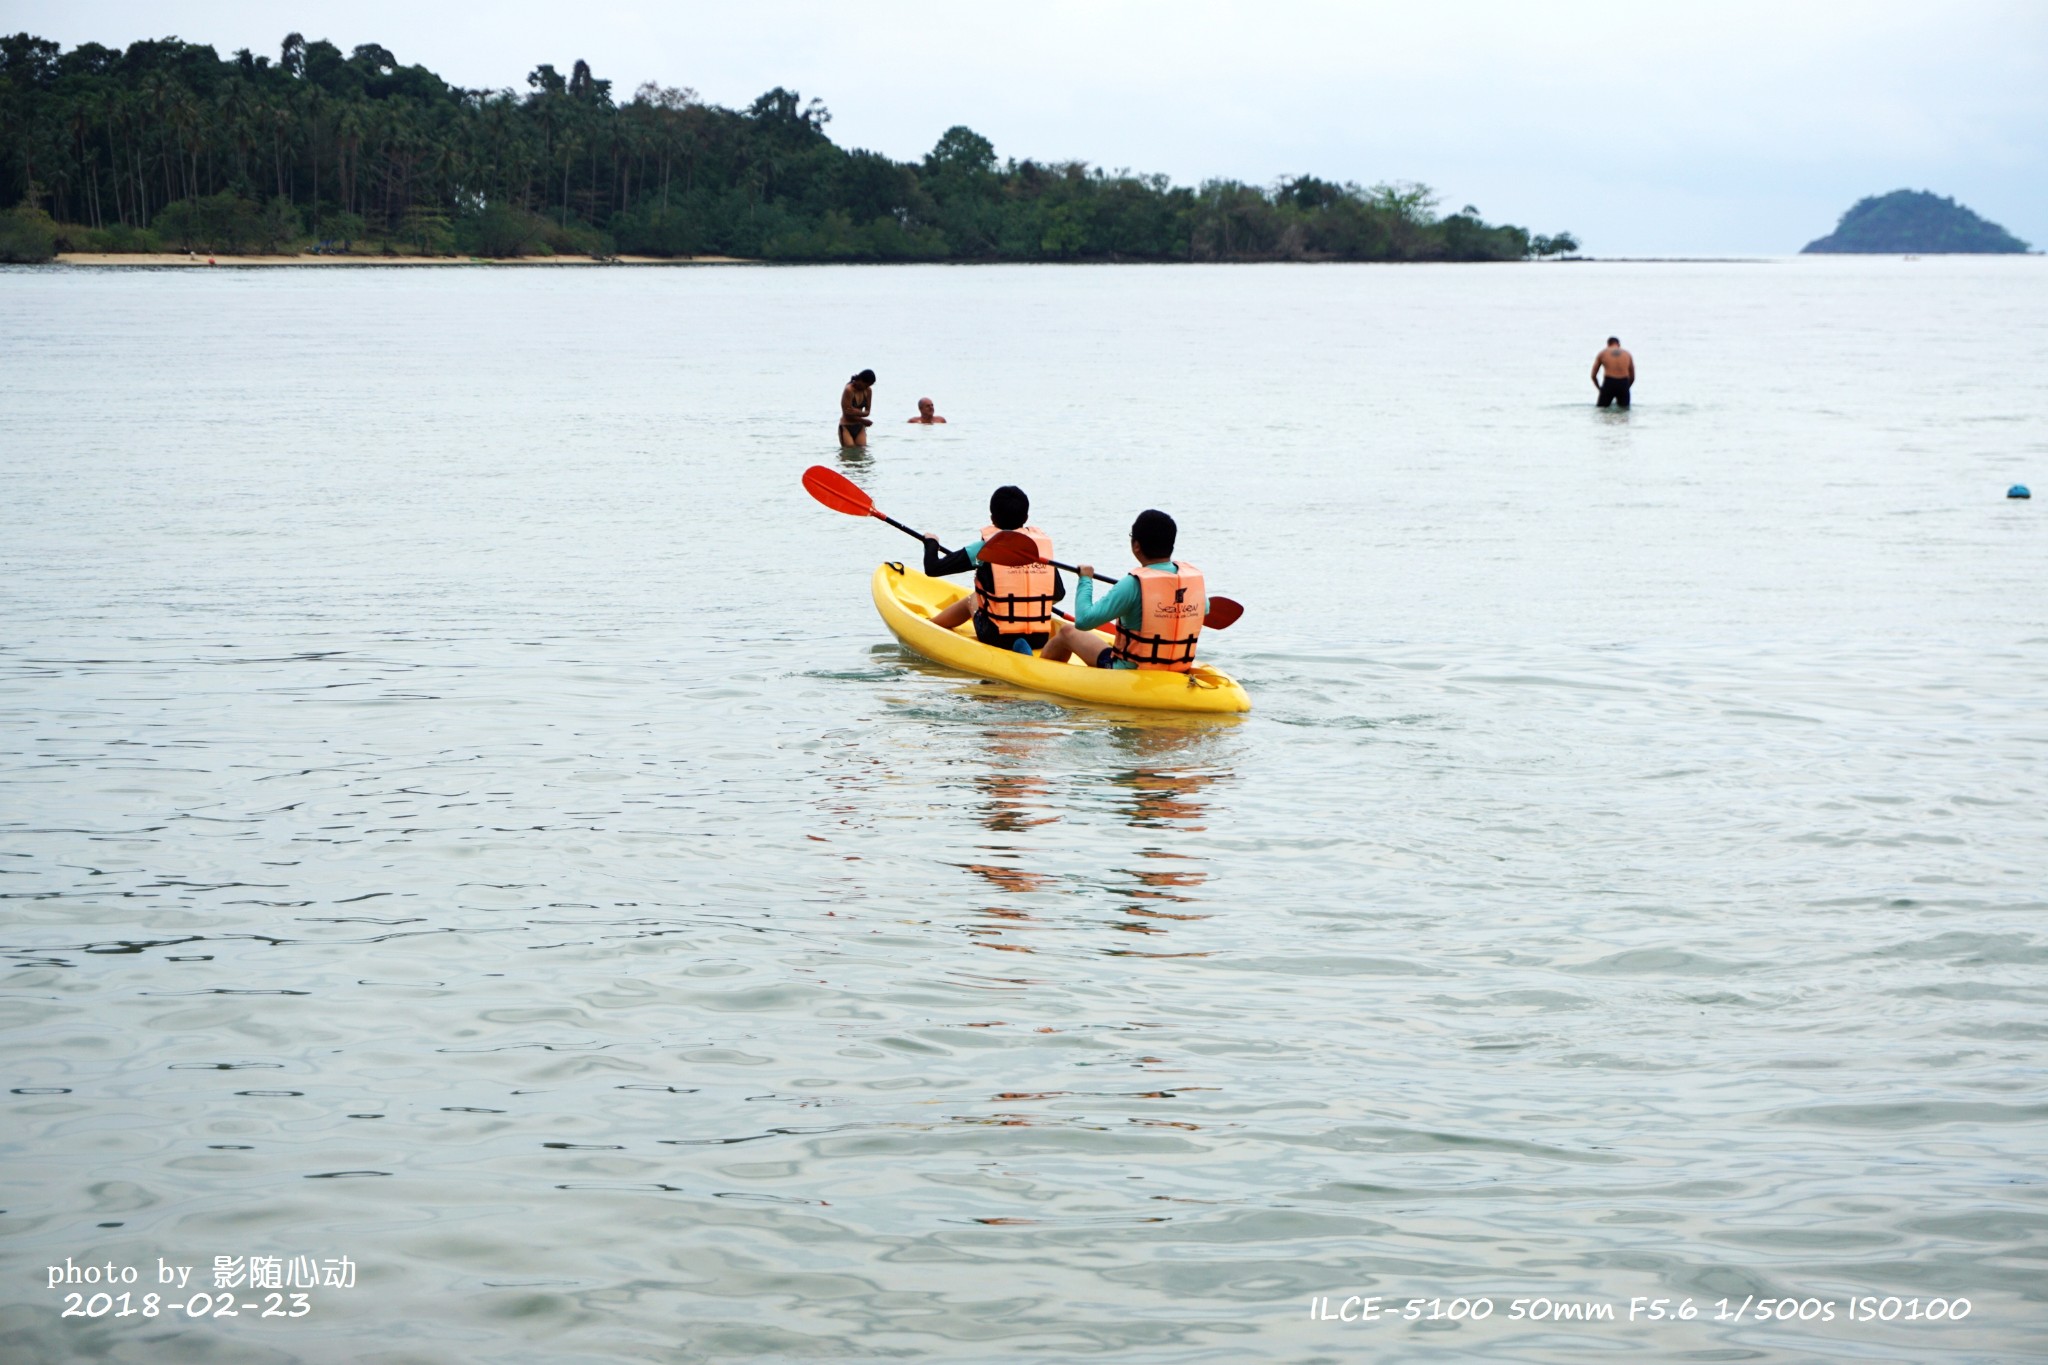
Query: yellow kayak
[(908, 600)]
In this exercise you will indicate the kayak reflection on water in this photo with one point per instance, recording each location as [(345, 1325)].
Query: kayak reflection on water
[(1015, 797), (1167, 787), (1013, 801), (1156, 776), (1018, 881), (1171, 765), (1165, 796), (1167, 883)]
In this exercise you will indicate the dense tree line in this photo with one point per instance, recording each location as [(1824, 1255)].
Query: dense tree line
[(167, 145)]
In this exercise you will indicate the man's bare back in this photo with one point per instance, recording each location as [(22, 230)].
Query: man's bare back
[(1618, 363)]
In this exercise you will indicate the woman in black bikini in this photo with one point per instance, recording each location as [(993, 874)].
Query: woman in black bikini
[(855, 402)]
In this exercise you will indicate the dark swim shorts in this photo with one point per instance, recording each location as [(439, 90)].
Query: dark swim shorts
[(986, 632), (1614, 391), (1108, 658)]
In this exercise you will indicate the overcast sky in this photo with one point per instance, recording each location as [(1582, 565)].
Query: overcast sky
[(1653, 128)]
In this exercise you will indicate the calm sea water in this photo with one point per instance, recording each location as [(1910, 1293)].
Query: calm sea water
[(460, 812)]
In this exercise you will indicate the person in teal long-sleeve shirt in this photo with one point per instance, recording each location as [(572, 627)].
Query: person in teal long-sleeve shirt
[(1152, 537)]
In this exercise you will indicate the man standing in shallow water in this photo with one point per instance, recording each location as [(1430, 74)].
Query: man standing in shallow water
[(1621, 373), (927, 415)]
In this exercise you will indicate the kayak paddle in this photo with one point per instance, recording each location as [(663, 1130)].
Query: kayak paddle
[(842, 494), (1015, 549)]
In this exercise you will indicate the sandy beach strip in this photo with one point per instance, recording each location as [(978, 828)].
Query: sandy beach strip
[(179, 258)]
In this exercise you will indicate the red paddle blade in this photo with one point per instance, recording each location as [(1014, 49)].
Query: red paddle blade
[(838, 492), (1223, 612), (1012, 549)]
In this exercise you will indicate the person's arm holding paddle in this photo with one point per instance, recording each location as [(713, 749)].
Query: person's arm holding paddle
[(1090, 613), (939, 562)]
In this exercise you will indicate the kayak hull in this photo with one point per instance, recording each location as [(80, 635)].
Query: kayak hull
[(908, 600)]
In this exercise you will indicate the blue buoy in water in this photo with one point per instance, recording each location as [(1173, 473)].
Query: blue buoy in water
[(2018, 490)]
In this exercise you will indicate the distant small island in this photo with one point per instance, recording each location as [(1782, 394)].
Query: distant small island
[(1919, 222)]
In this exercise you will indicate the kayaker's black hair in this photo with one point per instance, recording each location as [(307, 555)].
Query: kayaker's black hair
[(1008, 508), (1154, 531)]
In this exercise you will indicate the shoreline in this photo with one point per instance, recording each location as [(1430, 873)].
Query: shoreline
[(179, 258), (176, 259), (169, 259)]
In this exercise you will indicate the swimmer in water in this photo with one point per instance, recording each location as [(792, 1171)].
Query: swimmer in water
[(926, 415), (856, 401), (1621, 373)]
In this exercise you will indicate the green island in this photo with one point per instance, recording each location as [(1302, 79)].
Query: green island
[(1917, 222), (167, 146)]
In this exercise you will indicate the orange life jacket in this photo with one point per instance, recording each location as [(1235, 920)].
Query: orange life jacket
[(1170, 612), (1019, 600)]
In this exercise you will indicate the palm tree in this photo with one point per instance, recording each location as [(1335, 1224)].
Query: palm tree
[(277, 115), (237, 110), (156, 92), (348, 139), (182, 115), (314, 101)]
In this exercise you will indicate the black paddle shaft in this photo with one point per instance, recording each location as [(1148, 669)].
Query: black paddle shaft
[(1099, 578), (1019, 546), (914, 535)]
